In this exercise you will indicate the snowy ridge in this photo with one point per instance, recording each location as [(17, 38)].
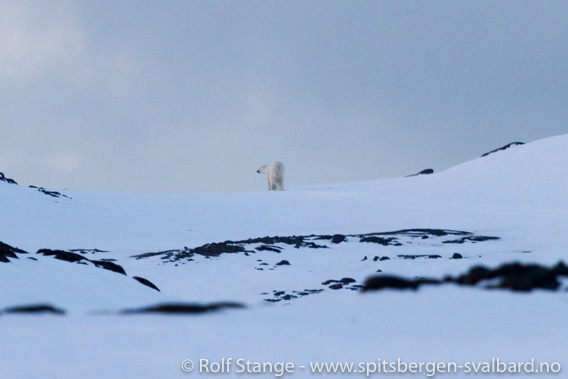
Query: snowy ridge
[(289, 267)]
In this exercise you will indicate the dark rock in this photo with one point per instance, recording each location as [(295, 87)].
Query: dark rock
[(283, 263), (314, 291), (184, 308), (313, 245), (88, 251), (80, 259), (271, 243), (456, 256), (337, 286), (347, 280), (275, 249), (110, 266), (35, 309), (7, 180), (50, 193), (560, 269), (380, 240), (279, 293), (473, 239), (411, 256), (427, 171), (503, 148), (288, 297), (513, 276), (338, 238), (384, 259), (7, 251), (386, 281), (364, 258), (146, 282), (62, 255)]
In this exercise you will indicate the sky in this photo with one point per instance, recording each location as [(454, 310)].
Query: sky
[(193, 96)]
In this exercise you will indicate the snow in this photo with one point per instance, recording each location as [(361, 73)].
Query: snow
[(518, 195)]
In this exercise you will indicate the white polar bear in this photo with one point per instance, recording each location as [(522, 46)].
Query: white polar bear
[(274, 175)]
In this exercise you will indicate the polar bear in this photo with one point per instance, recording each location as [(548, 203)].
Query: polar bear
[(274, 175)]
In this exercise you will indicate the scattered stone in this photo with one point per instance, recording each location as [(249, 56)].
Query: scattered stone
[(364, 259), (347, 280), (283, 263), (457, 256), (384, 259), (337, 286)]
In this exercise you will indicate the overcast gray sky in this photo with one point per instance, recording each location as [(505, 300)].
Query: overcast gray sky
[(193, 96)]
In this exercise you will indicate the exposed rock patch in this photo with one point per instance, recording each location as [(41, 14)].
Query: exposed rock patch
[(50, 193), (277, 244), (427, 171), (503, 148), (146, 282), (6, 180), (184, 308), (69, 256), (35, 309), (7, 251), (513, 276)]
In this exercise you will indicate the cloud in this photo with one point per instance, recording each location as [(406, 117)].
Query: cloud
[(38, 38)]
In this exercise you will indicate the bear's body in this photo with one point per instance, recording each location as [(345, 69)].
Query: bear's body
[(274, 175)]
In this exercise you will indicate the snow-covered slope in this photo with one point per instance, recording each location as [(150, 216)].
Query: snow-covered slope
[(300, 287)]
